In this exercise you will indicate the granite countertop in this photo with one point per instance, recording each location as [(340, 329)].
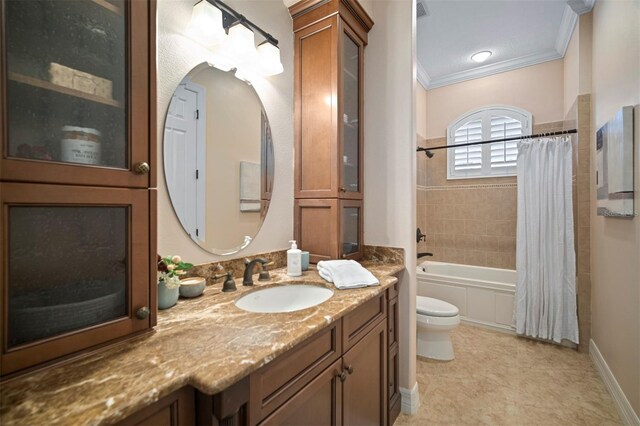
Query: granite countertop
[(206, 342)]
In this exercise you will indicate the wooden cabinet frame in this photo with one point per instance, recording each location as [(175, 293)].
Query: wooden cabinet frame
[(140, 113), (139, 209)]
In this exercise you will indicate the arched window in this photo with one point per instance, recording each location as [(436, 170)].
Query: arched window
[(488, 160)]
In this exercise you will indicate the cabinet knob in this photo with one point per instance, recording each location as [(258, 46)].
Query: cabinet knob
[(342, 376), (350, 369), (143, 313), (141, 168), (342, 189)]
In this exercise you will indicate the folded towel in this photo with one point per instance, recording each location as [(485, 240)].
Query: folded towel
[(325, 274), (346, 274)]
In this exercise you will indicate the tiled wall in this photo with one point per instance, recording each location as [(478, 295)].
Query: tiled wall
[(580, 117), (469, 221)]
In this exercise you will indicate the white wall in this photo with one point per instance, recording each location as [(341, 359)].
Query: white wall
[(537, 89), (390, 157), (615, 242), (177, 55), (571, 70), (421, 111)]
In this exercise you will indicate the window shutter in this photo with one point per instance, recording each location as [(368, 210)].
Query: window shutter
[(468, 157), (504, 154), (486, 160)]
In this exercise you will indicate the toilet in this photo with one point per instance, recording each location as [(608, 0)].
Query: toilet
[(436, 319)]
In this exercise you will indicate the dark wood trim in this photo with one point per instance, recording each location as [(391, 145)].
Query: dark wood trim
[(392, 322), (25, 356), (153, 262), (308, 12), (230, 406), (305, 6), (153, 94), (393, 385)]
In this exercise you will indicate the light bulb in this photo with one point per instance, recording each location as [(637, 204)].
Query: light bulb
[(206, 24), (481, 56), (268, 56), (241, 44)]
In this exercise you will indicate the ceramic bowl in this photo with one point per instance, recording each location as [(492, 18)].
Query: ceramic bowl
[(192, 287)]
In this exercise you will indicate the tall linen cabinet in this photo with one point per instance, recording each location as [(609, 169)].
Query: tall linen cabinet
[(330, 38), (77, 177)]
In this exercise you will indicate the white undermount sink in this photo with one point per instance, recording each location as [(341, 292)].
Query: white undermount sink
[(286, 298)]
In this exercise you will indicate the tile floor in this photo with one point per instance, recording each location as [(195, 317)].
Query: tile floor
[(501, 379)]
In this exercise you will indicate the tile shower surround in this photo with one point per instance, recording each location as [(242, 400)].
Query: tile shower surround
[(468, 221), (473, 221)]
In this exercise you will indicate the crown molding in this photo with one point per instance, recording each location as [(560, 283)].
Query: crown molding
[(497, 68), (423, 77), (580, 7), (567, 25), (572, 10)]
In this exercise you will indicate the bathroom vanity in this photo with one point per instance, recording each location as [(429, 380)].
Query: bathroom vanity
[(211, 362)]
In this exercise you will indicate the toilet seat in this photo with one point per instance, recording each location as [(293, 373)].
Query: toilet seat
[(434, 307)]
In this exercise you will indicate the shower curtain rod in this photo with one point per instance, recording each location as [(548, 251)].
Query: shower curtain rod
[(540, 135)]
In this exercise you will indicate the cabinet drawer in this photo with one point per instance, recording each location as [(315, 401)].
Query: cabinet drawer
[(176, 409), (317, 403), (392, 321), (358, 323), (278, 381)]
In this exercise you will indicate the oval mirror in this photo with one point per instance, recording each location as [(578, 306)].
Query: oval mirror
[(218, 159)]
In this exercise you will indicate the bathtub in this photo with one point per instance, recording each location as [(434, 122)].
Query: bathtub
[(483, 295)]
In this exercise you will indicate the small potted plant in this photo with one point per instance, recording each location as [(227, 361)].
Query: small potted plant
[(169, 270)]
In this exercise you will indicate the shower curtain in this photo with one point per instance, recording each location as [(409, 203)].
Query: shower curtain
[(545, 305)]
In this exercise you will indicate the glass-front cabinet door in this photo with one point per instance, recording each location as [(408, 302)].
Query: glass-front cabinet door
[(71, 256), (350, 229), (351, 135), (75, 92)]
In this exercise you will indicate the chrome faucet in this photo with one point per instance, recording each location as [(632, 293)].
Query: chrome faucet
[(248, 269)]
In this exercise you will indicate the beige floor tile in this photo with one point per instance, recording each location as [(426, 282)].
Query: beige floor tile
[(501, 379)]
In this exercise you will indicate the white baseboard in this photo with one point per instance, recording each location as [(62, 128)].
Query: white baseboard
[(409, 400), (628, 415)]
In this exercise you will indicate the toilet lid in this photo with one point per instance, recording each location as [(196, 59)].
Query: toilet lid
[(435, 307)]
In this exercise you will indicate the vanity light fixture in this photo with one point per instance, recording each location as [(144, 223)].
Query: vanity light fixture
[(269, 58), (237, 49), (481, 56), (206, 24)]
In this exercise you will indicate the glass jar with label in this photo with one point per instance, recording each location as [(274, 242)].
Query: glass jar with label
[(80, 145)]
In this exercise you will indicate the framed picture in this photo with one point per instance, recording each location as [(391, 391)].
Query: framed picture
[(614, 165)]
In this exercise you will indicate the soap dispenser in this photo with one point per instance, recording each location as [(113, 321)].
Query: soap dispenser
[(294, 260)]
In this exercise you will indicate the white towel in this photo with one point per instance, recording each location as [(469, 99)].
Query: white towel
[(346, 274)]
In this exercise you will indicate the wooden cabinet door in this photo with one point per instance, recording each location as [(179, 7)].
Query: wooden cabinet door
[(318, 403), (316, 228), (175, 409), (365, 388), (350, 233), (76, 92), (316, 110), (350, 112), (75, 269)]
